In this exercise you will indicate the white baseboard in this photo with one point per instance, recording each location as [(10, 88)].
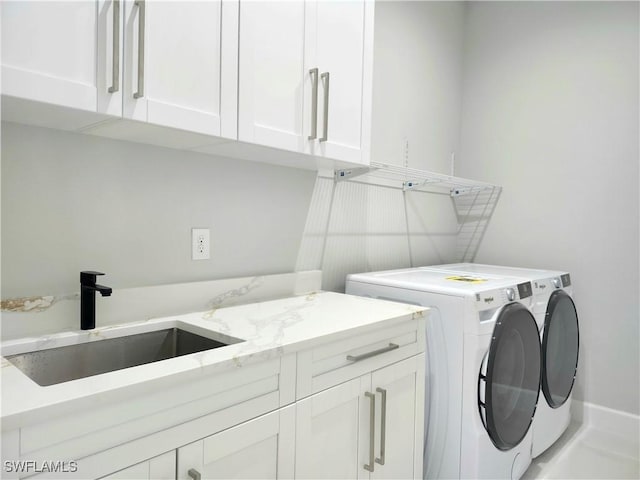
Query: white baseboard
[(622, 428)]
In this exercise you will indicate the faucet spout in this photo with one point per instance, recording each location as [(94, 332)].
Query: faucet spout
[(104, 291), (88, 289)]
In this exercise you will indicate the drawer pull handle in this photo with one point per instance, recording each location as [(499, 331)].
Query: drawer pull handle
[(194, 474), (383, 425), (357, 358), (369, 467)]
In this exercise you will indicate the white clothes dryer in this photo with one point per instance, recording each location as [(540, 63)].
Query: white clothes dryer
[(557, 320), (483, 368)]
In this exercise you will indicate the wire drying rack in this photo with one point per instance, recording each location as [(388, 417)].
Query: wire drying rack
[(474, 202), (412, 179)]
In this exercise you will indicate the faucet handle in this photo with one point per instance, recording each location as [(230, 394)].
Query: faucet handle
[(88, 277)]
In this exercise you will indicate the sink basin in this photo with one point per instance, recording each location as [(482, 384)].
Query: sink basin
[(62, 364)]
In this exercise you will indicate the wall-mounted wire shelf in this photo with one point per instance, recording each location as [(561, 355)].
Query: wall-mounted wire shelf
[(473, 202), (412, 179), (359, 215)]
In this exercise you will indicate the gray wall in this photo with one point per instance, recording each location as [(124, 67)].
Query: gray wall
[(550, 111), (417, 83), (74, 202)]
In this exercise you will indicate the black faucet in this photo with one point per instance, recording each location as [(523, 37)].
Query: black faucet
[(88, 289)]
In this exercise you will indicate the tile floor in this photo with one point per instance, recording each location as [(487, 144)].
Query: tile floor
[(586, 453)]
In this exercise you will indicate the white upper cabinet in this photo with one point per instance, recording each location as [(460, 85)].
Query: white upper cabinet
[(169, 63), (271, 63), (289, 75), (339, 44), (173, 64), (305, 77), (49, 52)]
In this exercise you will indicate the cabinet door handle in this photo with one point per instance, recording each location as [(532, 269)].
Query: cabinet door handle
[(194, 474), (325, 120), (115, 62), (383, 425), (357, 358), (369, 467), (141, 21), (314, 104)]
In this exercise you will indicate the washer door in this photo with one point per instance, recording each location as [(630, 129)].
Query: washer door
[(559, 349), (512, 378)]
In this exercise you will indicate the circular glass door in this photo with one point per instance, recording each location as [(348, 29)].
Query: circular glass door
[(559, 348), (512, 378)]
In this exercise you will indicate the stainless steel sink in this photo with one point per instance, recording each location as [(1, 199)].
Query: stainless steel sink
[(62, 364)]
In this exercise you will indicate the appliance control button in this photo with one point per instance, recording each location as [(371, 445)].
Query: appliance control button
[(511, 294), (557, 283)]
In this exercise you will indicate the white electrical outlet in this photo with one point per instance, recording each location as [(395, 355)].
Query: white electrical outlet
[(200, 244)]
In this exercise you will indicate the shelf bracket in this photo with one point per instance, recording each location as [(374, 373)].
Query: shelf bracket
[(348, 174), (456, 192), (410, 185)]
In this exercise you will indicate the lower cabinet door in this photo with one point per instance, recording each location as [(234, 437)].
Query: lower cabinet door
[(332, 432), (371, 427), (263, 448), (399, 434), (162, 467)]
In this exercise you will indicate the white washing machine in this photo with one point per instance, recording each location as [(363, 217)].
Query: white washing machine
[(483, 368), (557, 319)]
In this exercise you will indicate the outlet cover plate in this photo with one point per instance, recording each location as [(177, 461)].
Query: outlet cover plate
[(200, 244)]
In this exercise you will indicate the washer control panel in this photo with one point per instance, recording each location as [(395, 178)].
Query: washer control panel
[(525, 290)]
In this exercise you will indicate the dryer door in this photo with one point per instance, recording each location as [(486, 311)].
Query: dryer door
[(512, 377), (559, 348)]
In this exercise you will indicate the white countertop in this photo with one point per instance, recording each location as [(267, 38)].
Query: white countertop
[(269, 329)]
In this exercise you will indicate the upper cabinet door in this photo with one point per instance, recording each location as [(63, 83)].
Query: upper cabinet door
[(49, 52), (271, 51), (339, 43), (305, 76), (173, 63)]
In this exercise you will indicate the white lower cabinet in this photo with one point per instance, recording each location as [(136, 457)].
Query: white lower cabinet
[(351, 408), (263, 448), (162, 467), (403, 386), (328, 431), (368, 427)]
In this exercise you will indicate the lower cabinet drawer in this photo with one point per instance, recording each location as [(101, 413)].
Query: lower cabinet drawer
[(324, 366)]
